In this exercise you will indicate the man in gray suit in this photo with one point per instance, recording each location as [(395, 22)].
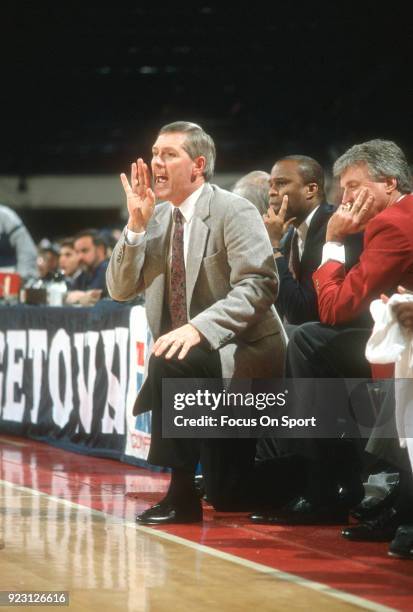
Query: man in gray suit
[(203, 258)]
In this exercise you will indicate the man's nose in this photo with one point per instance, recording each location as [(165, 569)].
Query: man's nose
[(157, 161), (348, 196)]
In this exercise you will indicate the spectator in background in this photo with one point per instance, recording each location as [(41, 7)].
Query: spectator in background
[(90, 248), (110, 236), (332, 189), (47, 259), (69, 261), (18, 252), (90, 285), (254, 187)]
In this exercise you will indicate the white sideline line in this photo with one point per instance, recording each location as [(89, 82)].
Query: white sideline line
[(12, 442), (264, 569)]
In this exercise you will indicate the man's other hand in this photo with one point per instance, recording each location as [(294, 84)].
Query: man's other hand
[(404, 312), (181, 339)]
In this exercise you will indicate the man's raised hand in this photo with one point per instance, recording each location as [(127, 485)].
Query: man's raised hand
[(139, 196), (275, 222), (350, 218)]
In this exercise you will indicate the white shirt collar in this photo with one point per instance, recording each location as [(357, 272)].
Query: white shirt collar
[(187, 207), (302, 229)]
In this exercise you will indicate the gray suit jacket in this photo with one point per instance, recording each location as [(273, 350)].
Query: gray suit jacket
[(231, 279)]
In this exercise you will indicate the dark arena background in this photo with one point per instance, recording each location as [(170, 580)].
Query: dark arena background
[(85, 86)]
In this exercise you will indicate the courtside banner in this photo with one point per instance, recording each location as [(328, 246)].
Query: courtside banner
[(64, 375), (138, 428)]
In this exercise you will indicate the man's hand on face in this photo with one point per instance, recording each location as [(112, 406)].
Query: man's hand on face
[(275, 222), (350, 218), (139, 196), (181, 339)]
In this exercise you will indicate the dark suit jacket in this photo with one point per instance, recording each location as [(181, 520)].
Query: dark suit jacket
[(92, 280), (297, 300), (385, 263)]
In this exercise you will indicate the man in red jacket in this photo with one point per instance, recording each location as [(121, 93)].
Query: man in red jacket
[(376, 183)]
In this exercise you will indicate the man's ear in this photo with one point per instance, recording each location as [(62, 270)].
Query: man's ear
[(312, 190), (198, 167), (390, 184)]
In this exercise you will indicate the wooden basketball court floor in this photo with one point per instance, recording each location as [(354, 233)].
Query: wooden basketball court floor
[(67, 524)]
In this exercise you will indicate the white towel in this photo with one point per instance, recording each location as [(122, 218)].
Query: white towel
[(388, 340), (391, 343)]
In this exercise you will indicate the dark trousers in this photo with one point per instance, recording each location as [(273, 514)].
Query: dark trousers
[(179, 453), (325, 351), (321, 351), (227, 464)]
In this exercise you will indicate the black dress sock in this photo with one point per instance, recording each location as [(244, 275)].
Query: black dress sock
[(182, 486)]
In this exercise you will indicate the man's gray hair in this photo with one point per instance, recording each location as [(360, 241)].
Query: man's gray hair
[(255, 188), (383, 158), (197, 143)]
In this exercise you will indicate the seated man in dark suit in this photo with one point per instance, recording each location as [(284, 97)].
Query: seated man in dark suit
[(90, 285), (296, 222)]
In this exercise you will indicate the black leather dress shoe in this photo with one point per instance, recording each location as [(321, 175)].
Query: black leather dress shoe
[(301, 511), (169, 512), (382, 528), (402, 545)]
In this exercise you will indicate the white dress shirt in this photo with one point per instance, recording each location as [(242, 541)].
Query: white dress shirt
[(187, 209)]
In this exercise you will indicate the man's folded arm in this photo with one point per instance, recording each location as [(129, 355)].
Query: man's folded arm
[(343, 297)]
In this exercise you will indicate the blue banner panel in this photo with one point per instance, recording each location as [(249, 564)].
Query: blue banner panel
[(64, 375)]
